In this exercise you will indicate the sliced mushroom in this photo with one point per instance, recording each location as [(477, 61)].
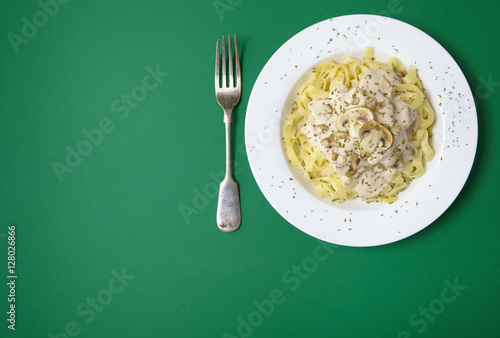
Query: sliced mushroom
[(399, 164), (386, 140), (411, 150), (363, 153), (355, 161), (350, 172), (367, 128), (341, 135), (328, 109), (354, 114), (320, 127), (380, 105), (384, 137), (354, 125), (330, 142), (334, 156), (396, 130), (341, 160), (326, 143), (377, 105), (379, 168)]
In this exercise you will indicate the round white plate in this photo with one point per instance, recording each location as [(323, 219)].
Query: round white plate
[(354, 222)]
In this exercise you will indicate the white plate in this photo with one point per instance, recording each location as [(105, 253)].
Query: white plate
[(356, 223)]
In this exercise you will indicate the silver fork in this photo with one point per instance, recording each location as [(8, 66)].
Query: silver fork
[(228, 207)]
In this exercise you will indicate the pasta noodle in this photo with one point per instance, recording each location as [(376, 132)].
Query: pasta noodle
[(360, 128)]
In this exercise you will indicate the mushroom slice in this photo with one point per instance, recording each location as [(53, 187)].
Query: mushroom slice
[(380, 105), (341, 135), (379, 168), (384, 136), (328, 109), (373, 107), (350, 172), (330, 142), (399, 164), (396, 130), (320, 127), (355, 161), (376, 105), (341, 161), (326, 143), (353, 115), (411, 150), (368, 127), (363, 153)]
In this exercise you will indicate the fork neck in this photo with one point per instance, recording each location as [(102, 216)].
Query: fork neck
[(227, 115), (227, 123)]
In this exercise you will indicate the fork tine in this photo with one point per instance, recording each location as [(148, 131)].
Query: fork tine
[(230, 55), (237, 59), (217, 65), (224, 63)]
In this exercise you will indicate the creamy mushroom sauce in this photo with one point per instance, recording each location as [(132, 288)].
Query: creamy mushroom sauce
[(365, 131)]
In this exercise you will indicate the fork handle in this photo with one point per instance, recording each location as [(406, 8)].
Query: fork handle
[(228, 207)]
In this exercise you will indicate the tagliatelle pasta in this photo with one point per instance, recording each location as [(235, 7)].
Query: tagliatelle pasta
[(360, 128)]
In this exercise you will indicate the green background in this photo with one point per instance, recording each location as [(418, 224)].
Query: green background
[(119, 210)]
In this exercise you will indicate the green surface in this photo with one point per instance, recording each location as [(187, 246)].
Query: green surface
[(104, 250)]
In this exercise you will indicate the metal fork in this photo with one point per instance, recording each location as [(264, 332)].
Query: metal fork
[(228, 207)]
